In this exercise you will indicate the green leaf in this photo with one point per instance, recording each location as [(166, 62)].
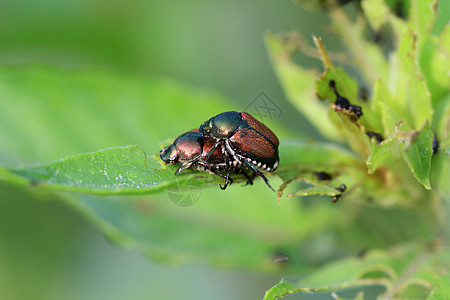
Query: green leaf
[(346, 123), (422, 16), (386, 106), (407, 85), (440, 167), (367, 57), (440, 164), (6, 175), (301, 160), (400, 271), (346, 85), (208, 227), (441, 123), (117, 170), (441, 290), (420, 101), (411, 91), (281, 289), (384, 153), (418, 155), (434, 64), (316, 190), (352, 131), (298, 83), (417, 152), (378, 14), (127, 170)]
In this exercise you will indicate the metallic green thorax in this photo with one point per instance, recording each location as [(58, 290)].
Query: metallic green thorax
[(223, 125)]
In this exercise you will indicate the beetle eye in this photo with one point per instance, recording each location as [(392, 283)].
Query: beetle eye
[(206, 127)]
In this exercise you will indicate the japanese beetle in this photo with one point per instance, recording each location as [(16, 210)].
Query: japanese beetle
[(322, 176), (192, 149), (246, 141)]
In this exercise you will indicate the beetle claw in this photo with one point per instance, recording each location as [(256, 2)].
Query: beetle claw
[(228, 181)]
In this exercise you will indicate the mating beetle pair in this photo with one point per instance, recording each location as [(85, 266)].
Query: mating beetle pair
[(229, 143)]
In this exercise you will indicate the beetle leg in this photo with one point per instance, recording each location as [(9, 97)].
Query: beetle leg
[(213, 149), (184, 166), (249, 178), (257, 172), (228, 179), (228, 182), (229, 165)]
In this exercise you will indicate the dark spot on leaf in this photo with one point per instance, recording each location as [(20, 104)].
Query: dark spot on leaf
[(356, 110), (377, 136), (322, 176), (378, 37), (341, 188), (362, 253), (435, 144), (363, 94), (399, 9), (343, 103), (334, 199)]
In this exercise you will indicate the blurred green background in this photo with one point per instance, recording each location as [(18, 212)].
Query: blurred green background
[(48, 251), (211, 44)]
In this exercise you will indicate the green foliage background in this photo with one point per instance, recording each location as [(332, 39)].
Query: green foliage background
[(99, 75)]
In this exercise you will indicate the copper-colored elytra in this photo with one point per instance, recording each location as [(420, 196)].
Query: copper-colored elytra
[(249, 142), (260, 127)]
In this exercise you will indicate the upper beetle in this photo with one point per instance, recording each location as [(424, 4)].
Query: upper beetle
[(246, 140), (192, 149)]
